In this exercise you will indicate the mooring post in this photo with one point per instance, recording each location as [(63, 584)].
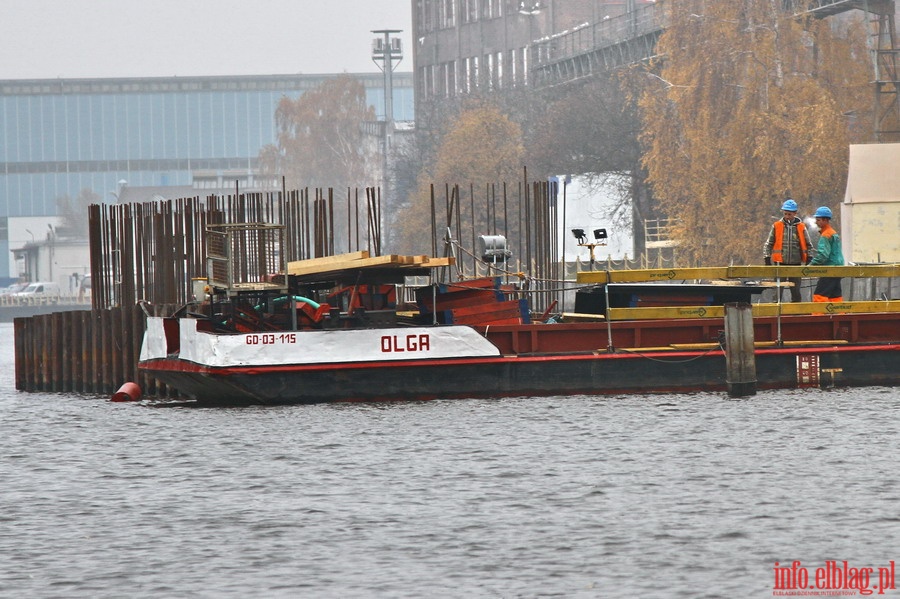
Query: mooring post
[(740, 361)]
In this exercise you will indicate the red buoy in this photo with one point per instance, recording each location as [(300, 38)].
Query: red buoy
[(127, 392)]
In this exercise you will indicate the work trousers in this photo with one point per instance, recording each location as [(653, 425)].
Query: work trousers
[(828, 289)]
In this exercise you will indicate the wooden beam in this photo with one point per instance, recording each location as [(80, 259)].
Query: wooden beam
[(326, 260), (305, 267), (439, 262), (357, 261)]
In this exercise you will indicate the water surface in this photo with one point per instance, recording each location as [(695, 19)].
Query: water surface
[(628, 496)]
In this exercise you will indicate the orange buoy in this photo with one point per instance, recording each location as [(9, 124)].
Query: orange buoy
[(127, 392)]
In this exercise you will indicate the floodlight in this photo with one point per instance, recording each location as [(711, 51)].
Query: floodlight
[(579, 235)]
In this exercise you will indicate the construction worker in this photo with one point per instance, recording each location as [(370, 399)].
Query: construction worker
[(788, 244), (828, 253)]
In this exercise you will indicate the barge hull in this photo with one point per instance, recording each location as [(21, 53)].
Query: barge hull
[(508, 376)]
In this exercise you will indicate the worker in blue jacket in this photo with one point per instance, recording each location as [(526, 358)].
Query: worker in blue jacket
[(828, 253)]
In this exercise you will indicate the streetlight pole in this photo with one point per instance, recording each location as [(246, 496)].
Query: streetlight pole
[(51, 236), (386, 50)]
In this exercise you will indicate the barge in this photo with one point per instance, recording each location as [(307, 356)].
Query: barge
[(350, 328)]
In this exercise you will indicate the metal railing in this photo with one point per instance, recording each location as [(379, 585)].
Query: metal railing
[(593, 36)]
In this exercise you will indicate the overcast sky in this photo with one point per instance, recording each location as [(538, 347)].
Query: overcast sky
[(48, 39)]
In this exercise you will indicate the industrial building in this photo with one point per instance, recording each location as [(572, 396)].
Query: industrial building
[(464, 46), (61, 136)]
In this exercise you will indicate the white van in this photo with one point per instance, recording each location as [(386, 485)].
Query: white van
[(40, 289)]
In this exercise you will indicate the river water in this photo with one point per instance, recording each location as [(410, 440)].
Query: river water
[(631, 496)]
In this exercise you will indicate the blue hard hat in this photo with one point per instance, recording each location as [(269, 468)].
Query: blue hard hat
[(823, 212), (789, 205)]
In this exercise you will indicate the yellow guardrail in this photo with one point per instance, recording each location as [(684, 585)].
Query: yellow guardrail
[(735, 272), (674, 312)]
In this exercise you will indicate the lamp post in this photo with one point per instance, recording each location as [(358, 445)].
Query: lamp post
[(50, 237), (599, 239), (385, 51)]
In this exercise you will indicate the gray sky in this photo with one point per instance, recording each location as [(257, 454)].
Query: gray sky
[(48, 39)]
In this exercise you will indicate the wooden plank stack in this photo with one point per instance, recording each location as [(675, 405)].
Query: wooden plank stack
[(474, 302), (342, 264)]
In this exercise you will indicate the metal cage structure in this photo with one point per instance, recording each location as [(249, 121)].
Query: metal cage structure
[(245, 257)]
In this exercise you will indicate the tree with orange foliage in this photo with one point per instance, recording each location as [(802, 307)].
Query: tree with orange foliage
[(320, 138), (744, 112)]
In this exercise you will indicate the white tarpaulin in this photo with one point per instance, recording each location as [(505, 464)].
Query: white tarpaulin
[(870, 214), (286, 348)]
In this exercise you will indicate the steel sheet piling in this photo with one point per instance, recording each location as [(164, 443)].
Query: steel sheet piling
[(93, 380), (85, 363), (105, 351), (46, 352), (89, 351), (23, 357), (67, 355), (116, 350), (136, 318)]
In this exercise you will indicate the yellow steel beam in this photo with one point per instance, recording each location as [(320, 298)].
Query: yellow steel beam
[(771, 272), (734, 272), (828, 307), (758, 310), (652, 275), (667, 313)]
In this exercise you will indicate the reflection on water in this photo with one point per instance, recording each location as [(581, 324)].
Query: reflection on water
[(656, 496)]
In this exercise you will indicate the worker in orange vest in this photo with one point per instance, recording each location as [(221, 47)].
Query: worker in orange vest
[(788, 244)]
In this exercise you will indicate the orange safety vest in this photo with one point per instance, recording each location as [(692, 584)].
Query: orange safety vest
[(779, 242)]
